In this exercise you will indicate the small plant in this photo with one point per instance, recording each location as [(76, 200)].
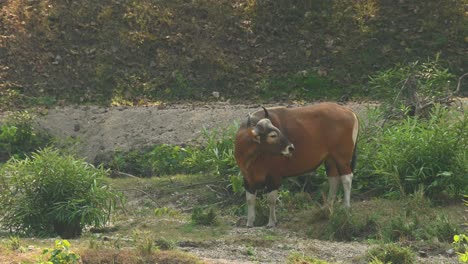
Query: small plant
[(50, 193), (165, 244), (165, 211), (250, 251), (391, 253), (461, 247), (144, 242), (14, 243), (300, 258), (60, 254), (199, 217)]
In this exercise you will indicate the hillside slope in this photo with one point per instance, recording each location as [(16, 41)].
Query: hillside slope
[(138, 50)]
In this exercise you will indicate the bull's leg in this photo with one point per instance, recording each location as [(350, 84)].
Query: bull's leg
[(347, 179), (333, 179), (271, 199), (334, 182), (250, 208), (343, 163)]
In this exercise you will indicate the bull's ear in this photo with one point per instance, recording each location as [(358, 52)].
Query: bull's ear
[(255, 135)]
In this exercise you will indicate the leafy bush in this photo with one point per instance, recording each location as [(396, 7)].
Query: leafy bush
[(391, 253), (18, 137), (412, 87), (61, 254), (53, 193), (413, 153), (216, 156)]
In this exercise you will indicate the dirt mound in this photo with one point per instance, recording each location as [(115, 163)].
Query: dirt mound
[(99, 131)]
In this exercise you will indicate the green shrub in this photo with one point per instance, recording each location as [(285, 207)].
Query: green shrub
[(53, 193), (391, 253), (18, 137), (398, 87), (167, 160), (417, 153), (215, 156), (61, 254)]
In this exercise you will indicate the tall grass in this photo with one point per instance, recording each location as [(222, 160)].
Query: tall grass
[(415, 153), (216, 156)]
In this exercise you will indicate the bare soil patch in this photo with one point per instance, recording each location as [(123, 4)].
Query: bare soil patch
[(100, 131)]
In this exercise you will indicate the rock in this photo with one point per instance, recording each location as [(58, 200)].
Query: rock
[(450, 252)]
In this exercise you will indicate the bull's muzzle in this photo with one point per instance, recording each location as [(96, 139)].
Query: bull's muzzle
[(288, 150)]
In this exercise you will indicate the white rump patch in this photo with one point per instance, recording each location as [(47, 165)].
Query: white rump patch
[(355, 129)]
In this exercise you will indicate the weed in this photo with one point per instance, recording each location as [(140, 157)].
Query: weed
[(200, 217), (165, 211), (250, 251), (165, 244), (300, 258), (461, 247), (391, 253), (144, 242), (61, 253), (14, 243)]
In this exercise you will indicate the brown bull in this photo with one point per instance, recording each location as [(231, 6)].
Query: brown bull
[(282, 142)]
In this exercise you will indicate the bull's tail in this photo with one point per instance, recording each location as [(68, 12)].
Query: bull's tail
[(355, 140), (354, 158)]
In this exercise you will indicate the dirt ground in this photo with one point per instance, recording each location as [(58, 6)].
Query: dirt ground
[(99, 131)]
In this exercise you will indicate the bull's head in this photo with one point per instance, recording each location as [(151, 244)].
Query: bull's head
[(269, 138)]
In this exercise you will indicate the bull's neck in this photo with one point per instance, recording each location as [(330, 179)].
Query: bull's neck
[(251, 156)]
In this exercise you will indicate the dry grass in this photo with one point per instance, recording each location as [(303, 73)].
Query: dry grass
[(131, 256)]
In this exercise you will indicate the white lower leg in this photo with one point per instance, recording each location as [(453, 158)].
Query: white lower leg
[(250, 208), (271, 198), (347, 181), (334, 182)]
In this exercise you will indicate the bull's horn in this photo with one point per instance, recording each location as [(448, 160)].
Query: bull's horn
[(266, 112), (248, 120)]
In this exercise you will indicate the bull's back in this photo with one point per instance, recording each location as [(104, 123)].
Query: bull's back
[(316, 131)]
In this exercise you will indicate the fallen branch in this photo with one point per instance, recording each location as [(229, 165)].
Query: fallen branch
[(459, 83), (145, 193), (125, 174)]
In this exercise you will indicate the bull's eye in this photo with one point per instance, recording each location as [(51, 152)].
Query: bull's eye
[(273, 135)]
